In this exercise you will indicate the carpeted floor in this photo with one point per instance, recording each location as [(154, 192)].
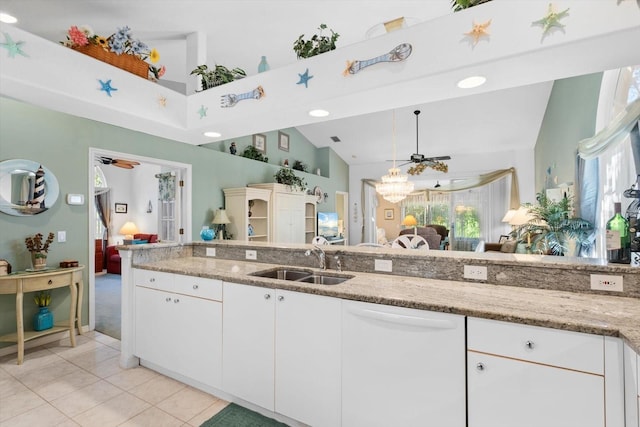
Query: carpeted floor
[(108, 304)]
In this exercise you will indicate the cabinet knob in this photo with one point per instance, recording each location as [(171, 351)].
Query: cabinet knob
[(280, 298), (529, 344), (152, 279), (168, 299), (195, 286), (480, 366), (50, 282), (267, 296), (175, 301)]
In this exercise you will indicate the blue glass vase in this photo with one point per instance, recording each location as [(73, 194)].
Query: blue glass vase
[(264, 65), (206, 234), (43, 319)]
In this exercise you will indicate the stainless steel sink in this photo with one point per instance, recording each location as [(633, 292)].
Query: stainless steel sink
[(322, 279), (303, 276)]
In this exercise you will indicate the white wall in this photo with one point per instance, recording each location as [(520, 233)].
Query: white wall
[(460, 167)]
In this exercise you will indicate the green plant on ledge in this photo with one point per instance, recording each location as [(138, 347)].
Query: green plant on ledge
[(287, 177), (299, 166), (316, 45), (252, 153), (218, 76), (551, 230), (458, 5)]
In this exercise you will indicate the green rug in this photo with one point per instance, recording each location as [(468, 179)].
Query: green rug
[(237, 416)]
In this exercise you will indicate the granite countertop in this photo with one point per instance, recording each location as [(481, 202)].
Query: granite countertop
[(580, 312)]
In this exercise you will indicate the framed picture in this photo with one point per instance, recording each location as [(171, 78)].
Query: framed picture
[(283, 141), (260, 142), (388, 214), (121, 208)]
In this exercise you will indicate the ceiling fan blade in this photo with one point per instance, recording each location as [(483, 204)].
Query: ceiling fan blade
[(432, 159), (407, 163), (122, 165), (126, 162)]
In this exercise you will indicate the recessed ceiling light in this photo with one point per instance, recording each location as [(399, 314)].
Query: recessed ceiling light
[(471, 82), (7, 19), (213, 134), (318, 113)]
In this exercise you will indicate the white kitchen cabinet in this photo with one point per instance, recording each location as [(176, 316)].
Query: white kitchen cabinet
[(632, 387), (178, 326), (287, 213), (530, 376), (402, 367), (310, 219), (282, 352), (248, 343), (246, 207)]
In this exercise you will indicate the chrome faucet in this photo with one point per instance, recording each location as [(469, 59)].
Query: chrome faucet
[(319, 252)]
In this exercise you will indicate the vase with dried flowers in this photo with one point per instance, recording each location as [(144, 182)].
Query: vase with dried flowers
[(119, 49), (38, 250)]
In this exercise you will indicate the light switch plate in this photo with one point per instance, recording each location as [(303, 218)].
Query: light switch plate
[(383, 265), (253, 255), (211, 251), (605, 282)]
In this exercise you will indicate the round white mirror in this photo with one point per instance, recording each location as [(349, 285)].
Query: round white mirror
[(26, 187)]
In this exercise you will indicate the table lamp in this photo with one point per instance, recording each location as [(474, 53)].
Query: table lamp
[(220, 219), (128, 230), (410, 221)]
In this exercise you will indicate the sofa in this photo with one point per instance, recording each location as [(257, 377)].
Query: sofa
[(113, 256)]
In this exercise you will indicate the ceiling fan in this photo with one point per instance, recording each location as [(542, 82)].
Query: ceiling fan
[(422, 162), (121, 163)]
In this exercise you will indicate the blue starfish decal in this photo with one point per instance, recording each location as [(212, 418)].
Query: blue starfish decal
[(12, 47), (106, 86), (203, 111), (304, 78)]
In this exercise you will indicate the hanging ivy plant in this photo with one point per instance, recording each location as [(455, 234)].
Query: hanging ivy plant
[(252, 153), (286, 176), (458, 5), (316, 45)]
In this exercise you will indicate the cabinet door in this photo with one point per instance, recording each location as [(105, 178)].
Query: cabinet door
[(248, 343), (631, 387), (153, 326), (308, 358), (402, 367), (504, 392), (289, 218)]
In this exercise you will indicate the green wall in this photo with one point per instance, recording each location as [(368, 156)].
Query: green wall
[(61, 142), (569, 118)]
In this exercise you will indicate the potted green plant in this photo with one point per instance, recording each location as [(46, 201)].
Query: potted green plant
[(252, 152), (316, 45), (287, 177), (552, 231), (299, 166), (218, 76), (458, 5), (43, 319)]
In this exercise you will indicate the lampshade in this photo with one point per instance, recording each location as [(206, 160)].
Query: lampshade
[(510, 213), (221, 217), (521, 217), (128, 230), (409, 221)]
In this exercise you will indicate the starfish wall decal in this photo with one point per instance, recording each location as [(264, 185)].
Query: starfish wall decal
[(478, 30), (551, 20), (203, 111), (12, 47), (106, 86), (304, 78)]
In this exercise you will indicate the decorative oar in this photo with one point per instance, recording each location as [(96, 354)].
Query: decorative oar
[(232, 99), (397, 54)]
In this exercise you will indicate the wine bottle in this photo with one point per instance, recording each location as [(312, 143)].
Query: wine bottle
[(618, 249)]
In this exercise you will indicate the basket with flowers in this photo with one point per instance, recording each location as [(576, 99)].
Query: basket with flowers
[(119, 49)]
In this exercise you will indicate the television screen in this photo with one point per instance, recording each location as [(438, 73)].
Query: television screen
[(328, 224)]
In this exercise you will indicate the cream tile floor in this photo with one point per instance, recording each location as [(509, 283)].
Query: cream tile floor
[(59, 385)]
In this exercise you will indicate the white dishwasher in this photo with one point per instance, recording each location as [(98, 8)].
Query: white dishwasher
[(402, 367)]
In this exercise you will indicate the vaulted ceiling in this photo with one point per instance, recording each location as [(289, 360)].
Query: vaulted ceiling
[(506, 116)]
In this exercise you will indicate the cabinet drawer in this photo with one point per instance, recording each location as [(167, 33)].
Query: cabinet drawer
[(198, 287), (566, 349), (47, 282), (153, 279)]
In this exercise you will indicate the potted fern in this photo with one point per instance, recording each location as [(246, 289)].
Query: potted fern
[(316, 45), (217, 76)]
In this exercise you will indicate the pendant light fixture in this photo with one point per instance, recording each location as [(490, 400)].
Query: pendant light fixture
[(395, 185)]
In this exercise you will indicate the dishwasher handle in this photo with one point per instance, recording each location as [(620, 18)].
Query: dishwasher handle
[(401, 319)]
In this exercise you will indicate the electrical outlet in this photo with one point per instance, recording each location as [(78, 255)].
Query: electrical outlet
[(383, 265), (211, 251), (604, 282), (62, 236), (251, 255), (475, 272)]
